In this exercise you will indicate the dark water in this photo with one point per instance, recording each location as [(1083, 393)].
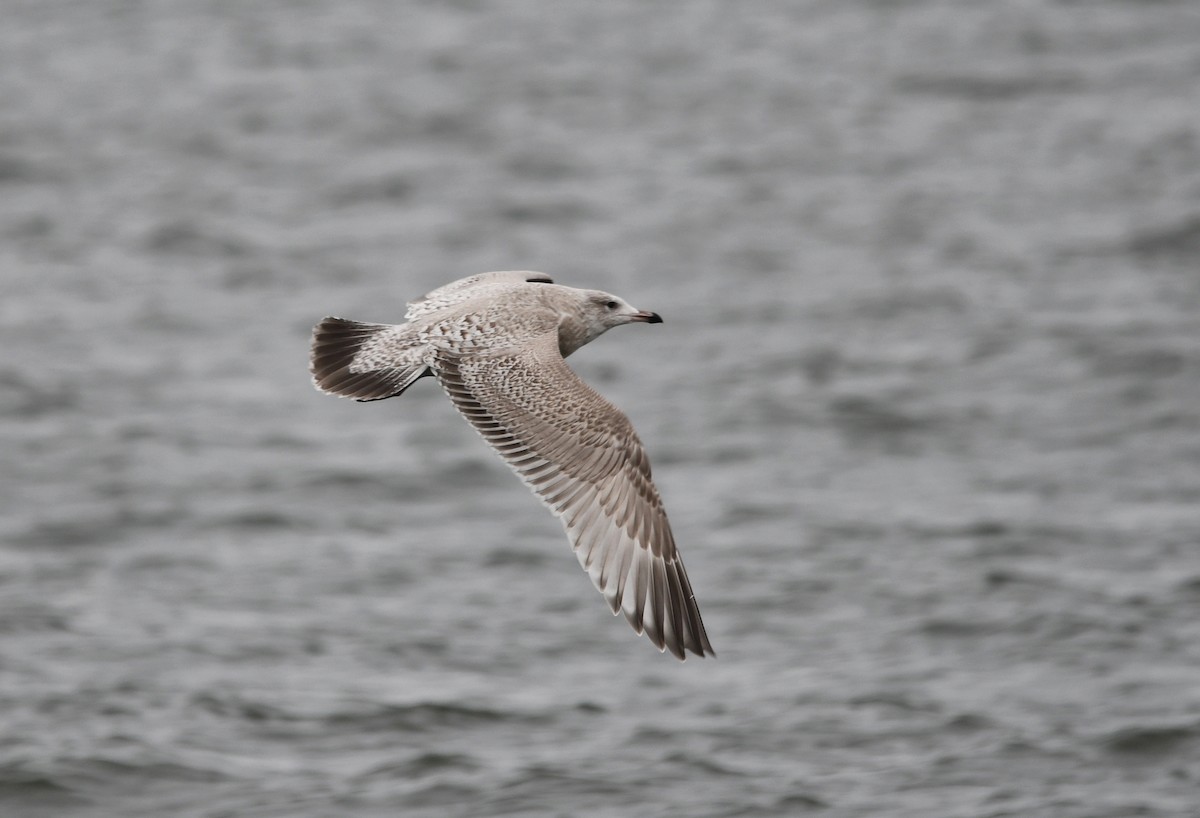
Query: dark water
[(925, 408)]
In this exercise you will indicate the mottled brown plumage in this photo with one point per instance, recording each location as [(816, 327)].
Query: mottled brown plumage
[(496, 342)]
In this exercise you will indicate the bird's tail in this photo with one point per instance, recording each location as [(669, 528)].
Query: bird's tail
[(351, 359)]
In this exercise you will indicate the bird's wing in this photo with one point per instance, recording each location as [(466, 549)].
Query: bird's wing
[(581, 456), (465, 289)]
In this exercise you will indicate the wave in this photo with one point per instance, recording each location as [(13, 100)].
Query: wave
[(364, 716)]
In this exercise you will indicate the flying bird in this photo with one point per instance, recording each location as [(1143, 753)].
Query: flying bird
[(497, 342)]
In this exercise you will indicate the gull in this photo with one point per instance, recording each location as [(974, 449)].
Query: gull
[(497, 342)]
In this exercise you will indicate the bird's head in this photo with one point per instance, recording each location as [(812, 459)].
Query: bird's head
[(595, 313), (605, 311)]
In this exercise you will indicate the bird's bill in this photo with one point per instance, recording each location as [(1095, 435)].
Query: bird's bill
[(648, 317)]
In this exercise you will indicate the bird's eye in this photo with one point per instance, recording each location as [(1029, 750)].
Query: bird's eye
[(612, 305)]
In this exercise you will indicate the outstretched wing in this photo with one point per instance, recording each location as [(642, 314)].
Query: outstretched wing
[(467, 288), (581, 456)]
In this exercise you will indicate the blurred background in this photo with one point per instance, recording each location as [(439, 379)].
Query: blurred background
[(925, 408)]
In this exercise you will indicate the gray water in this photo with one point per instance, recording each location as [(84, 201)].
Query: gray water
[(925, 408)]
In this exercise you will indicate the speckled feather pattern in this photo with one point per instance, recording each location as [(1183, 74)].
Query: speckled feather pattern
[(497, 342)]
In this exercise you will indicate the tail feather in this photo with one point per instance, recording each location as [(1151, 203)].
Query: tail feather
[(366, 362)]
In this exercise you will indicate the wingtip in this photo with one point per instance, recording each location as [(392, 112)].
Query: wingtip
[(705, 651)]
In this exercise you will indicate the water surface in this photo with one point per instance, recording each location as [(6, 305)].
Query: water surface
[(924, 408)]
